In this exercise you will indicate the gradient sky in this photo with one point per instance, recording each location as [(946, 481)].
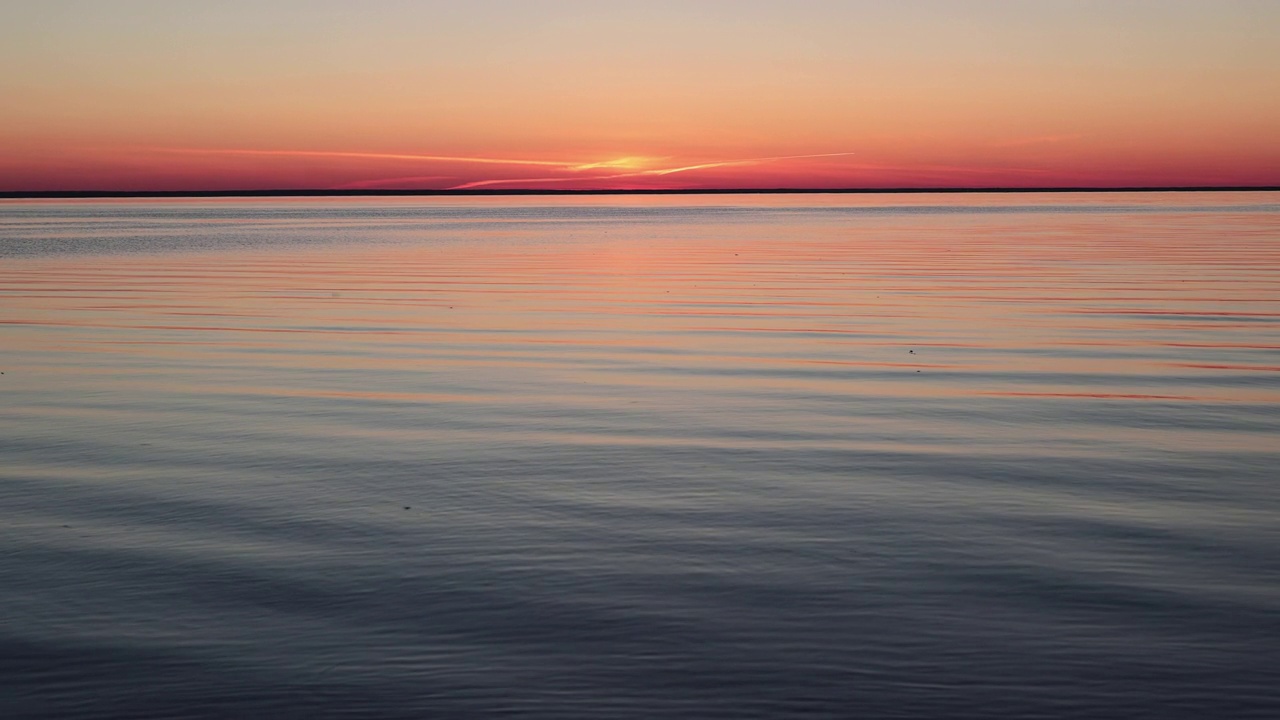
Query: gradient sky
[(171, 95)]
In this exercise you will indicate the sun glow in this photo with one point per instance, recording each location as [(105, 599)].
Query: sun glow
[(624, 163)]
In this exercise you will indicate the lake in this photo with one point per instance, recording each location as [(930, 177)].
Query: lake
[(810, 456)]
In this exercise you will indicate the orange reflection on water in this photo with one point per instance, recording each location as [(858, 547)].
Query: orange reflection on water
[(768, 297)]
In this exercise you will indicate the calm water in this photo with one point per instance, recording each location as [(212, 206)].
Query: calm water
[(720, 457)]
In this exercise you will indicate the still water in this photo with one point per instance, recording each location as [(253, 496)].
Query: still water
[(961, 456)]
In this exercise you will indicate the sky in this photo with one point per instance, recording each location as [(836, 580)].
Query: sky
[(175, 95)]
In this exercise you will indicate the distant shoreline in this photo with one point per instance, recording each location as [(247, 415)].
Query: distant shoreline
[(75, 194)]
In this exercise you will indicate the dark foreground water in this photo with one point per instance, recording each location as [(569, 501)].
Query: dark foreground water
[(803, 457)]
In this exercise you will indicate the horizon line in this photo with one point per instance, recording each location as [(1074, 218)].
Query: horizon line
[(385, 192)]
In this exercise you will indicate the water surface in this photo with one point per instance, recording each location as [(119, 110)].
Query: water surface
[(998, 456)]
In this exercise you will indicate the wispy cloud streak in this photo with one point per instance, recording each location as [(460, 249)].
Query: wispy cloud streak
[(367, 156), (575, 171), (383, 183), (747, 161), (650, 172)]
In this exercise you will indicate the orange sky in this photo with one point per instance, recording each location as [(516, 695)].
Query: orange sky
[(168, 95)]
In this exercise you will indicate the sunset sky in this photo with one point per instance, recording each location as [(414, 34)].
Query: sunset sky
[(170, 95)]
